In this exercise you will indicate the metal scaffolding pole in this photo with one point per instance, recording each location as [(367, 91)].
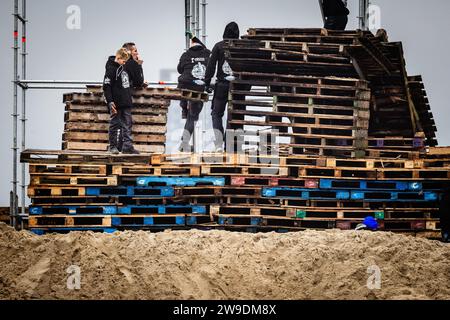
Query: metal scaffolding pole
[(188, 17), (69, 84), (197, 19), (204, 36), (24, 92), (193, 17), (14, 208), (363, 14)]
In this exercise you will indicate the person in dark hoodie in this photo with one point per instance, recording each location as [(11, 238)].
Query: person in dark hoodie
[(117, 90), (336, 14), (134, 66), (136, 73), (192, 69), (224, 76)]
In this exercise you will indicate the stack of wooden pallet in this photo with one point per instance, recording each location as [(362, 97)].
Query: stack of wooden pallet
[(332, 96), (395, 125), (318, 115), (94, 191), (87, 118)]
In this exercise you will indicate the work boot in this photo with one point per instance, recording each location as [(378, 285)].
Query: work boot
[(183, 148), (130, 151), (113, 150), (218, 149)]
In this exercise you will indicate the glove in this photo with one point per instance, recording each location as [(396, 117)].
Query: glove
[(199, 82), (113, 108)]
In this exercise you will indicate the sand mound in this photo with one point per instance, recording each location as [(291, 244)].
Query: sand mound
[(222, 265)]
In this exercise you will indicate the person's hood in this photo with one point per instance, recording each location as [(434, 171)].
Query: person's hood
[(197, 42), (111, 62), (197, 47), (231, 31)]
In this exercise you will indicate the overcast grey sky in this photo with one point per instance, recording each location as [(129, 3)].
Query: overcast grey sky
[(56, 52)]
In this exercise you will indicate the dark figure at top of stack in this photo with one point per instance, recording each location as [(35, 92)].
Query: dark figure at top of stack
[(192, 67), (336, 14), (222, 87)]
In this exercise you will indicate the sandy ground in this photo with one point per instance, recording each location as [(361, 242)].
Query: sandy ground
[(222, 265)]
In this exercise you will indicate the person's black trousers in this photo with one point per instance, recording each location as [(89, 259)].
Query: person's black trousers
[(336, 23), (193, 113), (219, 104), (184, 109), (122, 121)]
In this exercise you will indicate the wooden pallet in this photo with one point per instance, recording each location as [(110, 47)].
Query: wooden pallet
[(296, 160), (244, 170), (105, 118), (162, 92), (167, 170), (156, 107), (308, 213), (38, 191), (68, 169), (306, 47), (307, 31), (207, 191), (103, 127), (103, 137), (80, 157), (75, 181), (61, 221), (103, 147)]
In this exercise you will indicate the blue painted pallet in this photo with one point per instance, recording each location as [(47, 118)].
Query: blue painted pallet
[(41, 231), (308, 194), (131, 191), (148, 221), (162, 209), (230, 221), (72, 210), (181, 181), (380, 196), (370, 185)]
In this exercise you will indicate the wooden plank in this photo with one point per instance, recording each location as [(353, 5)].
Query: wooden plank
[(439, 151), (161, 92), (97, 137), (102, 117), (91, 146), (104, 127), (162, 108)]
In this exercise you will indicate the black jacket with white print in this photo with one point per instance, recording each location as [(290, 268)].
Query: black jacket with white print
[(217, 59), (116, 85), (192, 67)]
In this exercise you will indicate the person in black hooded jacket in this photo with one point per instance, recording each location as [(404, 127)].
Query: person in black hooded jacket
[(117, 91), (134, 66), (135, 73), (192, 69), (222, 87), (336, 14)]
